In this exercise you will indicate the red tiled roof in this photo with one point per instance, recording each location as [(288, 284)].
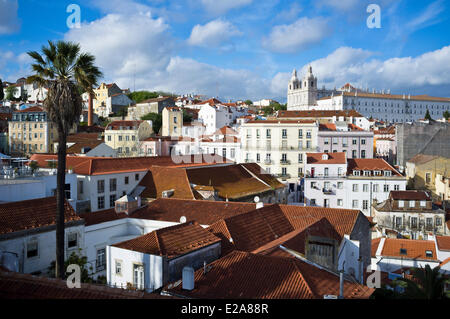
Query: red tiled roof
[(102, 216), (160, 179), (31, 214), (104, 165), (24, 286), (422, 159), (171, 241), (32, 109), (226, 130), (232, 181), (443, 242), (281, 121), (410, 195), (333, 158), (370, 164), (374, 246), (244, 275), (205, 212), (316, 114), (415, 249), (399, 97), (124, 125)]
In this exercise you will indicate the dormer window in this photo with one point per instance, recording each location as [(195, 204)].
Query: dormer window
[(325, 157), (377, 173), (387, 173), (356, 173), (366, 173), (429, 253), (403, 251)]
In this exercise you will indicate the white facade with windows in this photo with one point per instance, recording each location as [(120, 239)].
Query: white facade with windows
[(215, 117)]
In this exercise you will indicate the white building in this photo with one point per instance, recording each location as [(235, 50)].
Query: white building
[(302, 94), (157, 258), (28, 232), (215, 117), (351, 184)]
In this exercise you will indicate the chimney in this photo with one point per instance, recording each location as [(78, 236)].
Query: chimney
[(90, 111), (341, 284), (188, 278)]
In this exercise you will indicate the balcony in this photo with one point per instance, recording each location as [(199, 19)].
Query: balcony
[(283, 176), (327, 191), (268, 162), (249, 160), (285, 162)]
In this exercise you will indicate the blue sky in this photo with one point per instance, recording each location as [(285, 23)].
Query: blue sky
[(240, 48)]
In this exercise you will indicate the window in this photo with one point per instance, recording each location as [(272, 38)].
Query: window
[(340, 185), (363, 154), (412, 203), (429, 222), (80, 186), (354, 141), (224, 152), (127, 138), (233, 154), (386, 188), (313, 202), (300, 133), (428, 178), (120, 138), (438, 221), (138, 276), (365, 204), (429, 253), (403, 251), (268, 133), (398, 221), (136, 177), (112, 200), (126, 179), (112, 185), (396, 187), (308, 134), (284, 133), (258, 157), (356, 173), (72, 240), (376, 188), (340, 202), (363, 142), (32, 249), (401, 203), (101, 260), (354, 154), (109, 138), (325, 173), (413, 222), (100, 186), (101, 202), (119, 267), (355, 203), (355, 187)]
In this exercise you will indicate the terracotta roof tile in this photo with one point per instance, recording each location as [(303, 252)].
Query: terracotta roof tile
[(31, 214), (370, 164), (23, 286), (204, 212), (410, 195), (316, 114), (414, 249), (171, 241), (102, 216), (124, 125), (32, 109), (242, 275), (160, 179), (443, 242), (332, 158)]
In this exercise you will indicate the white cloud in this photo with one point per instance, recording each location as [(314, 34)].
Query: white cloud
[(219, 7), (9, 21), (428, 72), (213, 33), (289, 14), (296, 36)]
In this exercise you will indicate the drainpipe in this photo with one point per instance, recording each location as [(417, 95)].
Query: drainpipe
[(341, 282)]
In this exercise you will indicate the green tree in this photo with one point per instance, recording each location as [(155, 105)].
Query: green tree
[(427, 283), (268, 110), (446, 115), (75, 259), (123, 112), (139, 96), (10, 91), (187, 118), (156, 119), (2, 94), (63, 69), (427, 115), (248, 102)]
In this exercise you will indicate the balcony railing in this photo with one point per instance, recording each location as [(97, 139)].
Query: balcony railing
[(327, 191), (268, 162), (285, 162), (283, 176)]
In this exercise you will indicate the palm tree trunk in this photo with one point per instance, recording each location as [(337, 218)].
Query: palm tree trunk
[(60, 198)]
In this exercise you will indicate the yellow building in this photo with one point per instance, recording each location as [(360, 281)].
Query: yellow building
[(429, 172), (30, 132), (126, 136), (101, 95), (172, 121)]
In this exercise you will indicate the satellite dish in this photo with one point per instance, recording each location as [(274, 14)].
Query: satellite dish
[(256, 199), (182, 219)]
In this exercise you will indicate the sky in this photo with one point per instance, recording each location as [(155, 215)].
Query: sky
[(240, 49)]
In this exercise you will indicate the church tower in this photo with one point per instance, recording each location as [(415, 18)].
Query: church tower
[(302, 95)]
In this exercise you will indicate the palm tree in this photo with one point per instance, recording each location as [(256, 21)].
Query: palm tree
[(426, 283), (2, 95), (63, 70)]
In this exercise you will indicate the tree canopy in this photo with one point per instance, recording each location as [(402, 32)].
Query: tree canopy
[(139, 96), (427, 115), (156, 119)]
